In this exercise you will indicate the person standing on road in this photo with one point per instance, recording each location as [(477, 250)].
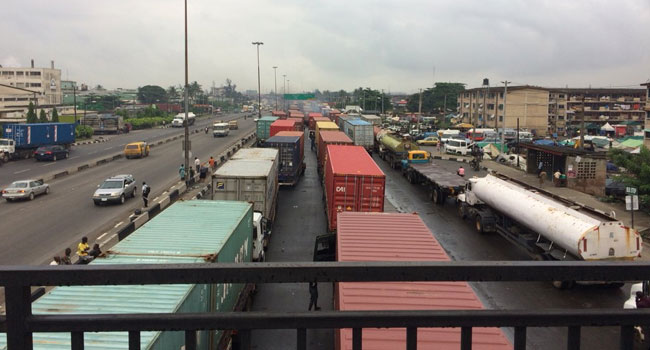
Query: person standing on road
[(181, 171), (197, 164), (313, 296), (312, 137), (461, 171), (145, 193), (438, 146), (540, 167), (211, 163), (65, 259)]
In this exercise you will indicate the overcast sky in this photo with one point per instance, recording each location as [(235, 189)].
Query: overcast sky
[(398, 46)]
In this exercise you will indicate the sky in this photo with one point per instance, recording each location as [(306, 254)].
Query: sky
[(397, 46)]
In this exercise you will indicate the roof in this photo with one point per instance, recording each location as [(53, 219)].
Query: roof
[(358, 122), (255, 154), (630, 143), (329, 136), (352, 160), (268, 118), (283, 139), (284, 122), (403, 237), (564, 151), (245, 168), (290, 133)]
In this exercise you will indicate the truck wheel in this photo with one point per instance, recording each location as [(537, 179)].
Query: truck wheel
[(461, 210), (563, 284), (478, 224)]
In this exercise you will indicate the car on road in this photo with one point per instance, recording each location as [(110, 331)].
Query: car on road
[(25, 189), (54, 152), (115, 189), (428, 141), (456, 146), (136, 149)]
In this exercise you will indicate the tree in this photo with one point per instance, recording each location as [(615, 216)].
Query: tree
[(152, 94), (31, 114), (637, 171), (55, 116), (433, 99), (42, 117), (173, 94)]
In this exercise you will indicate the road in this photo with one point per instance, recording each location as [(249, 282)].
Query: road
[(33, 232), (82, 154)]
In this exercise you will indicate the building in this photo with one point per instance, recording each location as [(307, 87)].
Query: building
[(20, 86), (529, 104), (646, 129)]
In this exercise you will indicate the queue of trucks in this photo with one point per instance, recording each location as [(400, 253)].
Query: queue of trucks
[(19, 141)]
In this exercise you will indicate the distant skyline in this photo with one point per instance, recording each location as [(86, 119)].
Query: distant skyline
[(332, 45)]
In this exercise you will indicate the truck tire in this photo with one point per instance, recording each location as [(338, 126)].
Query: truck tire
[(562, 285), (461, 210), (478, 224)]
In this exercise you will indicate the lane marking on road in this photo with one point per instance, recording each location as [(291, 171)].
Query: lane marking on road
[(118, 224), (164, 193), (92, 152), (102, 236), (48, 164), (106, 149), (73, 157), (22, 171)]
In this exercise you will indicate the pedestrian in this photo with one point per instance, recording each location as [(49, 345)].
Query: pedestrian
[(95, 252), (313, 296), (197, 164), (145, 193), (542, 175), (461, 171), (181, 171), (56, 261), (540, 167), (312, 137), (211, 162), (206, 130), (66, 259), (82, 250), (438, 146)]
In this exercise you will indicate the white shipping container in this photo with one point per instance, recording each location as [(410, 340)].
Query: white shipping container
[(256, 154), (360, 131), (372, 119)]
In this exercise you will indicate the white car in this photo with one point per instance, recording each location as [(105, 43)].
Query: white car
[(25, 189), (456, 146)]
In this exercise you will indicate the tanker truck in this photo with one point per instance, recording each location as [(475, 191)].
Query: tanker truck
[(393, 148), (545, 226)]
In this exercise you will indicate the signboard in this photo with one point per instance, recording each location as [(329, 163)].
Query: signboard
[(630, 190), (631, 202), (299, 96)]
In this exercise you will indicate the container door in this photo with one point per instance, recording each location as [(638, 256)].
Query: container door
[(371, 194), (345, 196)]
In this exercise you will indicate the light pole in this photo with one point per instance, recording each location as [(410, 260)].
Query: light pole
[(275, 83), (259, 87), (284, 89), (503, 125), (186, 93), (486, 87)]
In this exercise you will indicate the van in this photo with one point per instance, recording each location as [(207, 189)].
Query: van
[(456, 146), (136, 149)]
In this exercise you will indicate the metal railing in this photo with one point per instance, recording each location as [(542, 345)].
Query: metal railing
[(19, 322)]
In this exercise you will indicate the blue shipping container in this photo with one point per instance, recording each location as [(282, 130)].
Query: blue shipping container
[(36, 135), (290, 165)]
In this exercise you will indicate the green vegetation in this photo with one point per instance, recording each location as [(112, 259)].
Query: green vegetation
[(55, 116), (148, 122), (31, 114), (83, 132), (433, 99), (42, 117), (152, 94), (637, 172)]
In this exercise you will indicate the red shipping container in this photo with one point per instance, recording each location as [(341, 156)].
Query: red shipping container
[(353, 182), (279, 114), (314, 120), (282, 125), (301, 134), (299, 126), (329, 137), (401, 237)]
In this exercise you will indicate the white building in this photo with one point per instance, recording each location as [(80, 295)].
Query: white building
[(20, 86)]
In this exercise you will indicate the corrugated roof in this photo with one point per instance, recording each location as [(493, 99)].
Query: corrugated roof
[(334, 136), (255, 154), (245, 168), (403, 237), (283, 139), (352, 160), (327, 125), (284, 122), (358, 122), (269, 118)]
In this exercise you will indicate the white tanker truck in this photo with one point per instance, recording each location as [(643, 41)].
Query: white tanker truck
[(547, 228)]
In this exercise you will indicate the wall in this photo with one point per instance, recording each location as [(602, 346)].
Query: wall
[(587, 175)]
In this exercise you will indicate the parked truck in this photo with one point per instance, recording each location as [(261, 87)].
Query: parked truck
[(179, 118), (21, 140), (105, 123), (291, 165), (361, 132), (214, 232), (544, 225), (440, 183), (393, 148)]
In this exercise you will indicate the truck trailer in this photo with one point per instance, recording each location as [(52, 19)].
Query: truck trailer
[(291, 165), (545, 226), (21, 140), (440, 183), (393, 148)]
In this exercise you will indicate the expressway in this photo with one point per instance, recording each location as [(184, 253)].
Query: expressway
[(33, 232), (82, 154)]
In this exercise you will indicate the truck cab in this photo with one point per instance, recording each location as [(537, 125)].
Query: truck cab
[(416, 157), (261, 235), (220, 129), (7, 149)]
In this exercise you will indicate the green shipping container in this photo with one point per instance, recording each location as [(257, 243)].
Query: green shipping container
[(264, 127), (190, 232)]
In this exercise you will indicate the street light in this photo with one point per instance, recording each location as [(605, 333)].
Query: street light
[(275, 79), (259, 87), (186, 143), (486, 87), (284, 89)]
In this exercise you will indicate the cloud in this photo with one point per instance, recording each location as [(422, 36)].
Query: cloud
[(391, 45)]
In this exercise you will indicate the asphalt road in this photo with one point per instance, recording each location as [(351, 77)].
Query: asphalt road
[(461, 242), (82, 154), (33, 232)]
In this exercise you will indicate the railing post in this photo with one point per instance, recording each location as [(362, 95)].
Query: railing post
[(134, 340), (627, 337), (244, 339), (190, 340), (356, 339), (77, 340), (302, 339), (573, 338), (411, 338), (520, 338), (18, 302), (466, 338)]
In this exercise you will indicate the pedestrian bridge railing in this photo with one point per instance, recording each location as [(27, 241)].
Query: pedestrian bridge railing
[(19, 322)]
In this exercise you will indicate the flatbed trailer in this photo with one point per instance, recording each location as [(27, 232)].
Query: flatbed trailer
[(439, 182)]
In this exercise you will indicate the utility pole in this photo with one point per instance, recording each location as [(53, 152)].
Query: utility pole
[(275, 78), (503, 124), (420, 103), (382, 101), (284, 89), (582, 122), (496, 111), (74, 99), (259, 87), (486, 90), (187, 90)]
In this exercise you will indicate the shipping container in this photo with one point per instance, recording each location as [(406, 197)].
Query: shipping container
[(329, 137), (344, 118), (282, 125), (35, 135), (387, 237), (247, 180), (255, 153), (299, 126), (353, 182), (264, 127), (188, 232), (361, 132), (290, 165), (300, 134), (324, 126), (314, 120), (279, 114), (372, 119)]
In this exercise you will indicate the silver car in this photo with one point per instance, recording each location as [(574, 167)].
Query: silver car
[(115, 189), (25, 189)]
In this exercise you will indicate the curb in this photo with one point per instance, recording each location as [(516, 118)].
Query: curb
[(90, 142)]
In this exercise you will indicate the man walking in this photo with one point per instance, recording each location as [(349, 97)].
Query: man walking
[(312, 137), (313, 296), (181, 171), (211, 163), (197, 164), (145, 193)]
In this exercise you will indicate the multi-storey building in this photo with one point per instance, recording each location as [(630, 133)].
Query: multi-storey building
[(529, 104), (20, 86), (646, 130)]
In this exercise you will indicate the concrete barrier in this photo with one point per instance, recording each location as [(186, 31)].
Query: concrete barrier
[(140, 220), (61, 174), (125, 231)]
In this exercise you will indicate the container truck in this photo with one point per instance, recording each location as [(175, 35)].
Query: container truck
[(320, 126), (282, 125), (353, 182), (21, 140), (300, 126), (214, 232), (393, 148), (544, 225), (329, 137), (314, 120), (105, 123), (251, 180), (291, 165), (386, 237), (440, 183), (179, 118), (361, 132), (264, 128), (300, 134)]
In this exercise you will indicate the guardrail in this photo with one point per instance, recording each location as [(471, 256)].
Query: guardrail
[(19, 322)]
